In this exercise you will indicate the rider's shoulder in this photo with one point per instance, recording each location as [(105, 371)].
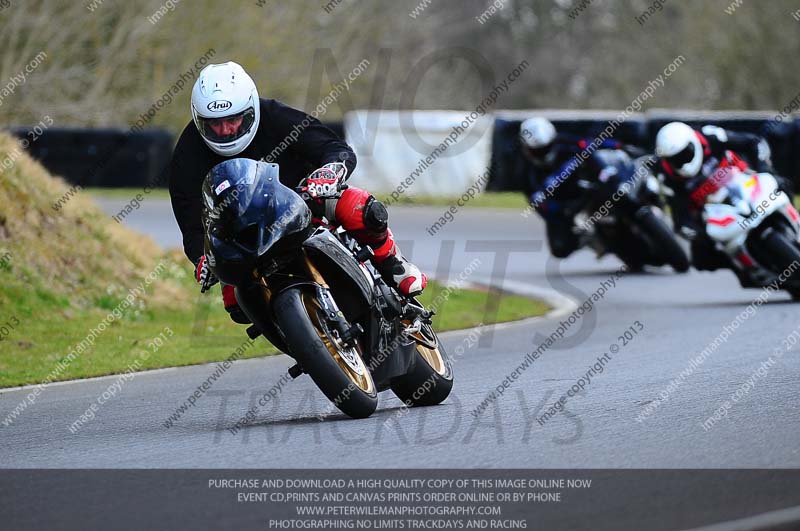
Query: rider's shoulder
[(713, 132), (275, 107), (189, 138), (270, 104)]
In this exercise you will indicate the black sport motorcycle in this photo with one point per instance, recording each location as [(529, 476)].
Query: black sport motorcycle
[(309, 290), (621, 212)]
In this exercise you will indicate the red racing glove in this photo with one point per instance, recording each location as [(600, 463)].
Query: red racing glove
[(324, 183), (205, 277)]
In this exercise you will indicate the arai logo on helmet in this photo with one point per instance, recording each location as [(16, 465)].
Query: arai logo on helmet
[(219, 105)]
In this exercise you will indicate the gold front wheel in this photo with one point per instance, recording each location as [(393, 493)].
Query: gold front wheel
[(338, 372), (349, 359)]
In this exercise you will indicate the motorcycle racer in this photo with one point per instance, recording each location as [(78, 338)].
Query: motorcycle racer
[(688, 159), (551, 164), (229, 120)]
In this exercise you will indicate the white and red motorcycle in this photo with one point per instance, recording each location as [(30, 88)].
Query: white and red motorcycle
[(755, 224)]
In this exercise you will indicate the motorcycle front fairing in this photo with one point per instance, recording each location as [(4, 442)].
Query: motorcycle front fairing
[(740, 211), (250, 216), (250, 219), (741, 206), (616, 180)]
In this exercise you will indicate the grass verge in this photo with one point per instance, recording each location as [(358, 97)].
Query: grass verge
[(126, 194), (510, 200), (198, 332)]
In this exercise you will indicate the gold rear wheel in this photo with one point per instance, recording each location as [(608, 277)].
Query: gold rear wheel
[(431, 380), (428, 348)]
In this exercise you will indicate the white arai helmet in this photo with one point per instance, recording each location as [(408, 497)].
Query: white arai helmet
[(679, 145), (225, 108)]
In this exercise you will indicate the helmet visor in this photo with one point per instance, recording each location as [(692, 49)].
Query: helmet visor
[(228, 128), (683, 157)]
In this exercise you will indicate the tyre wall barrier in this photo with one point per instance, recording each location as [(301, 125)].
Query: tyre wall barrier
[(108, 158)]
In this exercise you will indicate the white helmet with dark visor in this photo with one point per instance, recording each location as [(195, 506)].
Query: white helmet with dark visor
[(225, 108)]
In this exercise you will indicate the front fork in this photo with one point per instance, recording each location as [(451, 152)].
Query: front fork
[(348, 334), (412, 316), (255, 298)]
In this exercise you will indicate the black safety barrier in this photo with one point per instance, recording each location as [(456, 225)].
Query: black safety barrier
[(108, 158)]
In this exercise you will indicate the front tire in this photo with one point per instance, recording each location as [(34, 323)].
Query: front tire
[(339, 372), (665, 241), (430, 381)]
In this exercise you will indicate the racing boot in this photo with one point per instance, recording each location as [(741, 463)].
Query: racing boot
[(403, 275)]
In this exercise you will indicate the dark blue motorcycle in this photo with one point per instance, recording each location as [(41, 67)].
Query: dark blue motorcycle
[(309, 291), (621, 212)]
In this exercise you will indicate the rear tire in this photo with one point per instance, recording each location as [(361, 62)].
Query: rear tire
[(430, 381), (665, 241), (316, 351)]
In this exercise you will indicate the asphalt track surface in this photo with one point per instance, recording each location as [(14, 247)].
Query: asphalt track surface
[(678, 316)]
